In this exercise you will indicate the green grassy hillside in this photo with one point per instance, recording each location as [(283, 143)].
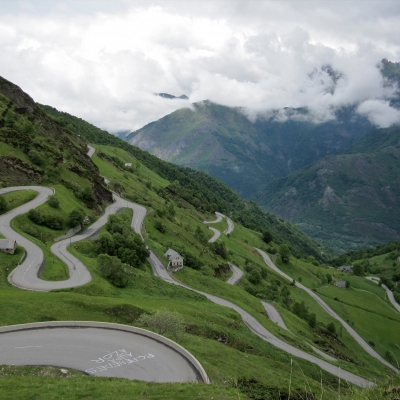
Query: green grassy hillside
[(239, 363), (199, 189)]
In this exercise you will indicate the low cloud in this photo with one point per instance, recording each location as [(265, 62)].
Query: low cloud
[(379, 113), (104, 64)]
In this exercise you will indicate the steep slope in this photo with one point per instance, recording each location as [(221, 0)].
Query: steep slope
[(347, 201), (223, 142), (200, 189), (36, 150)]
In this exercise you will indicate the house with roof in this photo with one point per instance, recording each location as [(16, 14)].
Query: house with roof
[(8, 245), (346, 268), (128, 164), (341, 284), (175, 260)]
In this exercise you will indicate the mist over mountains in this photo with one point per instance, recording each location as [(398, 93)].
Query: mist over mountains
[(256, 153)]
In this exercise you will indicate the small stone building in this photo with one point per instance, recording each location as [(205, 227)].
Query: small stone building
[(346, 268), (8, 245), (341, 284), (128, 164), (175, 260)]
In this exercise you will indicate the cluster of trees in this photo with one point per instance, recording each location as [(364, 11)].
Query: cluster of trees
[(119, 248), (219, 248), (75, 217), (113, 270), (123, 242), (348, 258), (51, 221), (301, 310)]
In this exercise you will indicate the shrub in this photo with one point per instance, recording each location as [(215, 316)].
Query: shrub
[(264, 273), (284, 252), (3, 204), (112, 269), (54, 202), (35, 216), (76, 217), (312, 320), (254, 277), (54, 222), (35, 157), (267, 237), (164, 321), (160, 226), (331, 328), (51, 221), (87, 195)]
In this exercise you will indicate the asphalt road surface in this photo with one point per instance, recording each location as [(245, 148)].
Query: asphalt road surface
[(25, 275), (230, 228), (325, 306), (389, 293), (219, 216), (218, 219), (273, 315), (97, 352), (259, 330), (217, 234), (236, 276)]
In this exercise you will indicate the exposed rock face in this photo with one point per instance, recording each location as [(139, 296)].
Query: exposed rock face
[(16, 95)]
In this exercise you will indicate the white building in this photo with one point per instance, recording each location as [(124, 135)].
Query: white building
[(8, 245), (175, 260)]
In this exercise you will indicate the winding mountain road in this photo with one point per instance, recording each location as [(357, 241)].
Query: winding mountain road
[(329, 310), (25, 276), (255, 326), (389, 293), (217, 233), (230, 228), (35, 258), (139, 213), (236, 276)]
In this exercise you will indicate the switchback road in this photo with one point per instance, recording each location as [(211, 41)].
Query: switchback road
[(389, 293), (329, 310), (25, 275), (236, 276)]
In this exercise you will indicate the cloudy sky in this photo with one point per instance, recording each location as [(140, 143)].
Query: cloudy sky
[(103, 60)]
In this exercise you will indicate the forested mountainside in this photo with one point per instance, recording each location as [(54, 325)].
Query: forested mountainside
[(225, 143), (348, 201), (200, 189), (247, 150)]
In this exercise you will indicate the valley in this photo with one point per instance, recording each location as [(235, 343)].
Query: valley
[(240, 348)]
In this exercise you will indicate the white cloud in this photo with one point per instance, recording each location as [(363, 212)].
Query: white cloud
[(103, 63), (379, 113)]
